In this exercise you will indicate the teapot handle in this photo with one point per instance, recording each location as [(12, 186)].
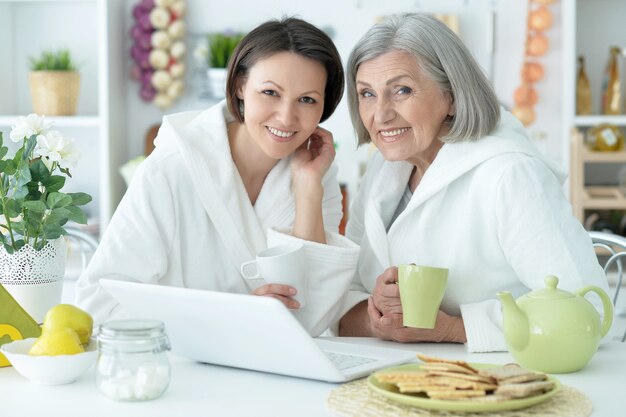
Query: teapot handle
[(607, 318)]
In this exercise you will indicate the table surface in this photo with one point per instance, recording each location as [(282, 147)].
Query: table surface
[(208, 390)]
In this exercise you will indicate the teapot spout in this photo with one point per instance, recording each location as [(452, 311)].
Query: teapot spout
[(515, 322)]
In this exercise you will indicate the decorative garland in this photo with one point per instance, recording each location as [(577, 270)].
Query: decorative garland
[(526, 96), (158, 50)]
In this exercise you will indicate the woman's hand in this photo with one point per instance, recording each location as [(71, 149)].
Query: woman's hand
[(313, 158), (389, 327), (386, 294), (309, 164), (282, 293)]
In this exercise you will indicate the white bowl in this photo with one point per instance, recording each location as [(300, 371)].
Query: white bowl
[(48, 370)]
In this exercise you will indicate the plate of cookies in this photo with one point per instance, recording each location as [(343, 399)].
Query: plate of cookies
[(455, 385)]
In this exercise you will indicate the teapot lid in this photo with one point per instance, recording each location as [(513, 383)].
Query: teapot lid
[(550, 291)]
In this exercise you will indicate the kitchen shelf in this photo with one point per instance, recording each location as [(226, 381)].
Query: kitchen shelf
[(603, 198), (96, 41), (59, 121), (588, 155), (590, 31), (593, 120)]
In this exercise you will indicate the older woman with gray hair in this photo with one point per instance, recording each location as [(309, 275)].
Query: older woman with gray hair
[(455, 183)]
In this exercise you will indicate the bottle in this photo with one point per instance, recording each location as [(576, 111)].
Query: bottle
[(606, 137), (583, 89), (132, 362), (611, 93)]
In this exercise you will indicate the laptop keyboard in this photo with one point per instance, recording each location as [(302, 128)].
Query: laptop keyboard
[(343, 361)]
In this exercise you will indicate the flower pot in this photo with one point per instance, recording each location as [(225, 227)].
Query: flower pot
[(217, 82), (54, 93), (35, 278)]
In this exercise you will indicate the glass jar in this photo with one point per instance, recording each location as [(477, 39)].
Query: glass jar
[(132, 362)]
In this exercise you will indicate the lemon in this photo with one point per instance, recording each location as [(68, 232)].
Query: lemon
[(66, 315), (57, 342)]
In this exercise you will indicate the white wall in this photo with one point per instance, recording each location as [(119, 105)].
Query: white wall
[(349, 19)]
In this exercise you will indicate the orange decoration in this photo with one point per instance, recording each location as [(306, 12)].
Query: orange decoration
[(532, 72), (537, 44), (525, 114), (525, 95), (540, 19)]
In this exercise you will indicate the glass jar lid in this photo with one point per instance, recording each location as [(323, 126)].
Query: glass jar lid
[(133, 336)]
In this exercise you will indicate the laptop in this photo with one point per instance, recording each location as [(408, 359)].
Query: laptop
[(249, 332)]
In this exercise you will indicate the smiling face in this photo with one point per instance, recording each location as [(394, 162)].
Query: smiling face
[(283, 97), (403, 110)]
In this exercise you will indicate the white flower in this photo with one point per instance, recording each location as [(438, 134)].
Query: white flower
[(53, 147), (28, 126)]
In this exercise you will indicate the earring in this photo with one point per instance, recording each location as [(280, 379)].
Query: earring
[(241, 108)]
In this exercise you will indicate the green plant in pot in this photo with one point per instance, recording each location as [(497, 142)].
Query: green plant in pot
[(221, 48), (34, 211), (54, 83)]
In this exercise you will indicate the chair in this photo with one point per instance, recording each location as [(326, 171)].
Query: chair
[(81, 242), (616, 246)]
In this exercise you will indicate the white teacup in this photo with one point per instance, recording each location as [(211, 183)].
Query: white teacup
[(282, 264)]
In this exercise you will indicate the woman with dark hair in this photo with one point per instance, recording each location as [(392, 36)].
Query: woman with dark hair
[(456, 183), (225, 183)]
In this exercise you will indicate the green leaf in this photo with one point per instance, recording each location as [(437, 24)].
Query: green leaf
[(36, 206), (53, 231), (79, 199), (33, 223), (77, 215), (20, 192), (57, 199), (12, 208), (10, 168), (19, 244), (29, 148), (56, 216), (66, 171), (9, 248), (39, 171), (3, 150), (54, 183), (33, 191)]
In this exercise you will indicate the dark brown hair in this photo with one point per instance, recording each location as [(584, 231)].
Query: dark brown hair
[(286, 35)]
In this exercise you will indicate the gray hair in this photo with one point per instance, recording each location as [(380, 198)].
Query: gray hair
[(444, 58)]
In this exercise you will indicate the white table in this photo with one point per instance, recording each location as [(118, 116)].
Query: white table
[(207, 390)]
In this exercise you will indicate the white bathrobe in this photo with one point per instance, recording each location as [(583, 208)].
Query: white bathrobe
[(491, 211), (187, 221)]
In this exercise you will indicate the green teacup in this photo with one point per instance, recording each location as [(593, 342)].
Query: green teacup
[(421, 291)]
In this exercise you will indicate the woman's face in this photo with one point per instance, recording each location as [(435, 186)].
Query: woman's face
[(402, 109), (283, 98)]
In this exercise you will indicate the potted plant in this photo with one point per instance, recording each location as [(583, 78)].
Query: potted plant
[(33, 212), (54, 83), (221, 47)]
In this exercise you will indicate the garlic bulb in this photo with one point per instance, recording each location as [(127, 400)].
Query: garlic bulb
[(177, 50), (158, 59), (160, 39), (177, 29), (162, 100), (161, 80), (159, 17), (179, 8), (175, 89), (177, 70)]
